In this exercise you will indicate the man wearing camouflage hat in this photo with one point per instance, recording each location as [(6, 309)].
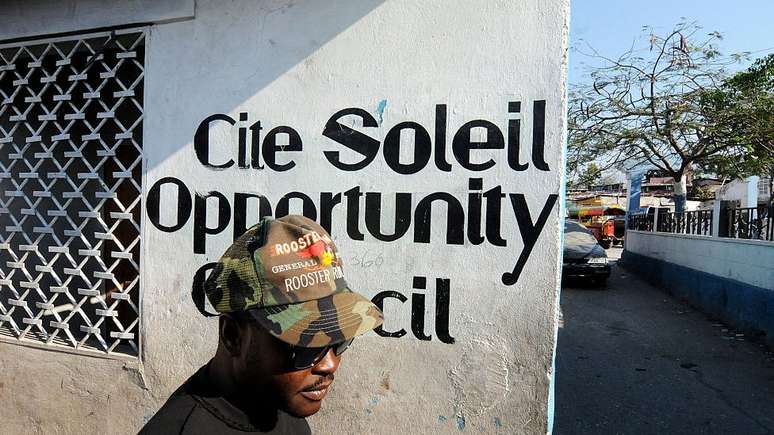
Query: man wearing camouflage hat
[(286, 316)]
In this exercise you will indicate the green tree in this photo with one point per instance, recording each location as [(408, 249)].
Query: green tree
[(590, 176), (644, 109), (703, 193), (741, 119)]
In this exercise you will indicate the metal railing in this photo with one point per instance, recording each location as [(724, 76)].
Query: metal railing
[(71, 114), (754, 223), (749, 223), (640, 222), (697, 222)]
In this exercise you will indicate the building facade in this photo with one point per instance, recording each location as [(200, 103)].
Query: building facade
[(138, 139)]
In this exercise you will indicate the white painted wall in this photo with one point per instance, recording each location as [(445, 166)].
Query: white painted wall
[(746, 261), (296, 63), (745, 191)]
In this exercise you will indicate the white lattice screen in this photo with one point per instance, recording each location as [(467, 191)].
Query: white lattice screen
[(71, 113)]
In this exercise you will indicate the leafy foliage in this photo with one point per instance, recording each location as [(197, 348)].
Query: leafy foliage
[(590, 176), (740, 118)]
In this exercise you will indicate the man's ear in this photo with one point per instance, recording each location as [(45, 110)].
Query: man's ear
[(231, 334)]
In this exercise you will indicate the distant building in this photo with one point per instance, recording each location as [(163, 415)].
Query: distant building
[(613, 187), (658, 183), (704, 189), (764, 192), (745, 193), (593, 200)]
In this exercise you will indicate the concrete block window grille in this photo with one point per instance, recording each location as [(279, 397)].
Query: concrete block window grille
[(71, 112)]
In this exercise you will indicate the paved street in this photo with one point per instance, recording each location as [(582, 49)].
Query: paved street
[(633, 360)]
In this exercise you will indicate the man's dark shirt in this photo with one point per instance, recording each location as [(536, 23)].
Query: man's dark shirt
[(197, 408)]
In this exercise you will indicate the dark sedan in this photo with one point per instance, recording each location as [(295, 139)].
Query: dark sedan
[(583, 257)]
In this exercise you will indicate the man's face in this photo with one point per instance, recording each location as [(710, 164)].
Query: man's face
[(263, 369)]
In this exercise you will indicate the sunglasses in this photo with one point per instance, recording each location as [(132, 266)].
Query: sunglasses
[(300, 358)]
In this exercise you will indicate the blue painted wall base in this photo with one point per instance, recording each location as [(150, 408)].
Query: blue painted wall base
[(743, 306)]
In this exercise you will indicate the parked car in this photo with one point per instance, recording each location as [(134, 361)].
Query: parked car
[(584, 258)]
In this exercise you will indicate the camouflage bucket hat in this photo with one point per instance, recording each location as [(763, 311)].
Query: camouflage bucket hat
[(288, 274)]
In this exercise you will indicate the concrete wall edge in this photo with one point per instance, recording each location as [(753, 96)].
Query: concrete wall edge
[(706, 238)]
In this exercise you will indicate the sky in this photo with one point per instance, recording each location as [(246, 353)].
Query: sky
[(610, 26)]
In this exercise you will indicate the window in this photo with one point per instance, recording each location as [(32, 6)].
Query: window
[(763, 188), (71, 113)]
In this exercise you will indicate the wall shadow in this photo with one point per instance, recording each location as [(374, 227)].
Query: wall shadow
[(214, 68)]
